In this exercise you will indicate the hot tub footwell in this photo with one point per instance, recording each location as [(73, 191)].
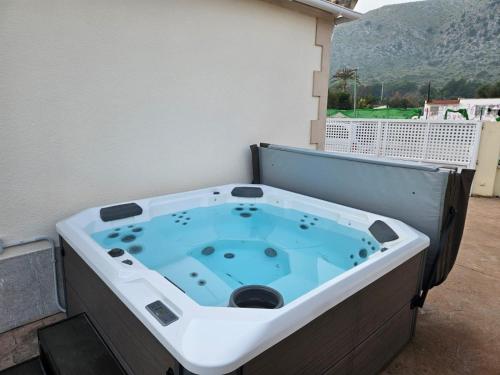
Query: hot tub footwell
[(358, 336)]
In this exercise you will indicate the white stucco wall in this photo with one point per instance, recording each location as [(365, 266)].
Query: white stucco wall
[(487, 171), (107, 101)]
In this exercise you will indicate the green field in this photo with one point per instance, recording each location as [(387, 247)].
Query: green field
[(394, 113)]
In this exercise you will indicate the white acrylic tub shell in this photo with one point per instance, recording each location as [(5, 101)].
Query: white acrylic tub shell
[(217, 340)]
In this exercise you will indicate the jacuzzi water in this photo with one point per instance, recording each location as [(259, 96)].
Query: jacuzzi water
[(208, 252)]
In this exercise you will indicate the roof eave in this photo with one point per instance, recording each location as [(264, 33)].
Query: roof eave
[(343, 13)]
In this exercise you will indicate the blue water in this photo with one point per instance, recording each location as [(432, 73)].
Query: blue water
[(209, 251)]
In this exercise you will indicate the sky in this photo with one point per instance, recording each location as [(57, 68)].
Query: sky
[(364, 6)]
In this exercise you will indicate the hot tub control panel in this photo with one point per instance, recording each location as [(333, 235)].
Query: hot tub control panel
[(162, 313)]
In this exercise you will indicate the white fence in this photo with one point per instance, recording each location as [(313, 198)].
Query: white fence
[(440, 142)]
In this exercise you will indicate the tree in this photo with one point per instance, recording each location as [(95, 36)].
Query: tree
[(367, 101), (424, 89), (345, 75), (339, 100), (403, 87), (400, 101), (459, 88), (489, 91)]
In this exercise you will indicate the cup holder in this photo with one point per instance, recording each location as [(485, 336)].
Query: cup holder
[(256, 297)]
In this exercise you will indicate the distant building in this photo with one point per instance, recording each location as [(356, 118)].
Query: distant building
[(455, 109)]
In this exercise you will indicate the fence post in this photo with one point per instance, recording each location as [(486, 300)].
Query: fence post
[(425, 147), (351, 135), (475, 148), (379, 138), (383, 151)]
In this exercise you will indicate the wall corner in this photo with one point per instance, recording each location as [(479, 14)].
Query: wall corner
[(324, 31)]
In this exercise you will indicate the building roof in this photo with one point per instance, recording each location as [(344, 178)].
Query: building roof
[(470, 101), (480, 101), (443, 101)]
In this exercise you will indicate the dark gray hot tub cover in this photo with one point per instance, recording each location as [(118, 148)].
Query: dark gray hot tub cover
[(433, 200)]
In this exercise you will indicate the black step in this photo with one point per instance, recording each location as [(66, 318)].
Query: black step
[(30, 367), (74, 347)]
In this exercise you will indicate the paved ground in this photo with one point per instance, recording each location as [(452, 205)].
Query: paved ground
[(458, 331), (21, 344)]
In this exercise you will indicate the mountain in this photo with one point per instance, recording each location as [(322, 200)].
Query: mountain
[(436, 40)]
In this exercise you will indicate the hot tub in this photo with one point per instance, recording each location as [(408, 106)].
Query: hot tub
[(216, 277)]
